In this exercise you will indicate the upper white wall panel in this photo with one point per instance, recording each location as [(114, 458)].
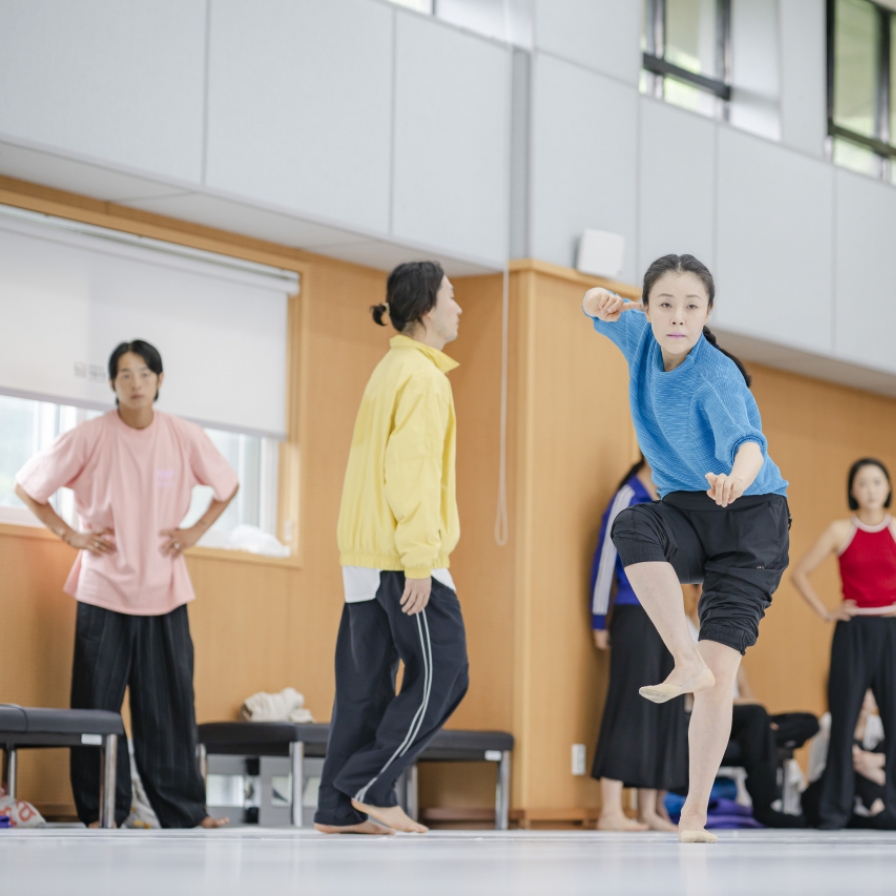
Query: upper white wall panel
[(299, 106), (803, 103), (755, 69), (451, 120), (677, 190), (121, 82), (775, 235), (604, 35), (865, 330), (584, 161)]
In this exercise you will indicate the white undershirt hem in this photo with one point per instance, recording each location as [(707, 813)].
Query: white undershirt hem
[(362, 583)]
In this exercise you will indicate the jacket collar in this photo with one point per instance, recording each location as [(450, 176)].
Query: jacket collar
[(440, 359)]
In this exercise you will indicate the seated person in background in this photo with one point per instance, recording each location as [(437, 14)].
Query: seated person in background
[(758, 736), (869, 765)]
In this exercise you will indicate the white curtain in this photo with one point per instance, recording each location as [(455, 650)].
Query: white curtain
[(69, 294)]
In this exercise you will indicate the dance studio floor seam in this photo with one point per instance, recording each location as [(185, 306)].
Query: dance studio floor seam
[(252, 860)]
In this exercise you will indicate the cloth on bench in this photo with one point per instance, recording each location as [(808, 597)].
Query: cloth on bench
[(287, 706)]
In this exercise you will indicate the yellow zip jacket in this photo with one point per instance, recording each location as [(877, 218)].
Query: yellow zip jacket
[(399, 509)]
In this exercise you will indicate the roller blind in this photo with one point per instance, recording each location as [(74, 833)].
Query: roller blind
[(70, 293)]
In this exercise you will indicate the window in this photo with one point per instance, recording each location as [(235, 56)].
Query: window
[(861, 119), (417, 5), (28, 426), (686, 56), (505, 20)]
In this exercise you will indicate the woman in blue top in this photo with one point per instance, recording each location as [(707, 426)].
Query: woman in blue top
[(640, 745), (697, 424)]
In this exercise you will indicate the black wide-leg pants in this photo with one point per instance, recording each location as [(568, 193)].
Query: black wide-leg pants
[(640, 743), (153, 656), (863, 655), (375, 734)]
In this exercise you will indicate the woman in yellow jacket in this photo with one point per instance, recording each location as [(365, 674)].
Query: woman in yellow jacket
[(397, 527)]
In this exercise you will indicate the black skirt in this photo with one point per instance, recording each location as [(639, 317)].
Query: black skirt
[(642, 744)]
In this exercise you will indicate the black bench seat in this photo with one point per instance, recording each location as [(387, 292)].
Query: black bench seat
[(31, 727), (301, 740)]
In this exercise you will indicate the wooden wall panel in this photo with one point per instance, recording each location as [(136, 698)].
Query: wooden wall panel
[(579, 442)]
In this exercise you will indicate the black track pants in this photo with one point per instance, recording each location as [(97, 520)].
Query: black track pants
[(374, 733), (863, 655), (153, 655)]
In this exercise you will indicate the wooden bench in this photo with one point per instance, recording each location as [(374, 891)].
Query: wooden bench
[(299, 742)]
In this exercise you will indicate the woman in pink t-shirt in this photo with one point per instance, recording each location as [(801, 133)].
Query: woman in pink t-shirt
[(132, 471)]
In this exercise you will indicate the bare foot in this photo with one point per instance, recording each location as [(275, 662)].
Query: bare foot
[(692, 829), (209, 822), (94, 824), (656, 822), (393, 816), (366, 827), (618, 821), (682, 680)]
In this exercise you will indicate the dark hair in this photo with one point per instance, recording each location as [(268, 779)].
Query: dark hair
[(411, 292), (687, 264), (854, 471), (145, 350), (635, 469)]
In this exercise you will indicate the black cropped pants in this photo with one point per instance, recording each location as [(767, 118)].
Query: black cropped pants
[(738, 552)]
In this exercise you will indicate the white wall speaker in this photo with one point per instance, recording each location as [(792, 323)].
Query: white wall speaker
[(601, 253)]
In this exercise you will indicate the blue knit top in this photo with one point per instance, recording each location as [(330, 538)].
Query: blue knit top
[(689, 421)]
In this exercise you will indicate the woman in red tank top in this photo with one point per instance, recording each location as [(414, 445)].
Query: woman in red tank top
[(863, 650)]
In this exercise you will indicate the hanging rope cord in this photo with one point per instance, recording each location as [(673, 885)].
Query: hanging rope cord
[(502, 525)]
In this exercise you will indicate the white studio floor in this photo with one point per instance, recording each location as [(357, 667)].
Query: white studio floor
[(250, 860)]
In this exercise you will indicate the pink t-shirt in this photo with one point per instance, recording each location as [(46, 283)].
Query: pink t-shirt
[(135, 482)]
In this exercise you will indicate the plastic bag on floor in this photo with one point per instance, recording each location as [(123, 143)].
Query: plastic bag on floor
[(20, 813), (142, 814)]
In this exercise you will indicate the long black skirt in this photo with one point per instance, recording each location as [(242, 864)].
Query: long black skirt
[(642, 744)]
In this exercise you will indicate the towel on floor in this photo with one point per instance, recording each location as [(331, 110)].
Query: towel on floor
[(287, 706)]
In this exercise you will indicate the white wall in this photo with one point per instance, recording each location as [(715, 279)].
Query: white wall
[(584, 159), (372, 133), (291, 106), (603, 35), (450, 139), (120, 82), (296, 119), (803, 97)]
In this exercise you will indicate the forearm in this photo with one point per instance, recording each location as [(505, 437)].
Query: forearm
[(215, 509), (801, 581), (45, 513), (747, 463)]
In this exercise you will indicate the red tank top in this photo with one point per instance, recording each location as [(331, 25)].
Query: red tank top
[(868, 566)]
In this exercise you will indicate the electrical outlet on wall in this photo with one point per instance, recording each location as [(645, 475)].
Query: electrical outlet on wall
[(578, 759)]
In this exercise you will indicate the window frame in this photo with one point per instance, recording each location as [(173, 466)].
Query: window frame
[(881, 144), (656, 65)]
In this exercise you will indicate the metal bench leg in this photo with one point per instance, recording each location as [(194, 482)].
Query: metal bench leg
[(502, 793), (108, 768), (413, 793), (11, 771), (203, 764), (297, 767)]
